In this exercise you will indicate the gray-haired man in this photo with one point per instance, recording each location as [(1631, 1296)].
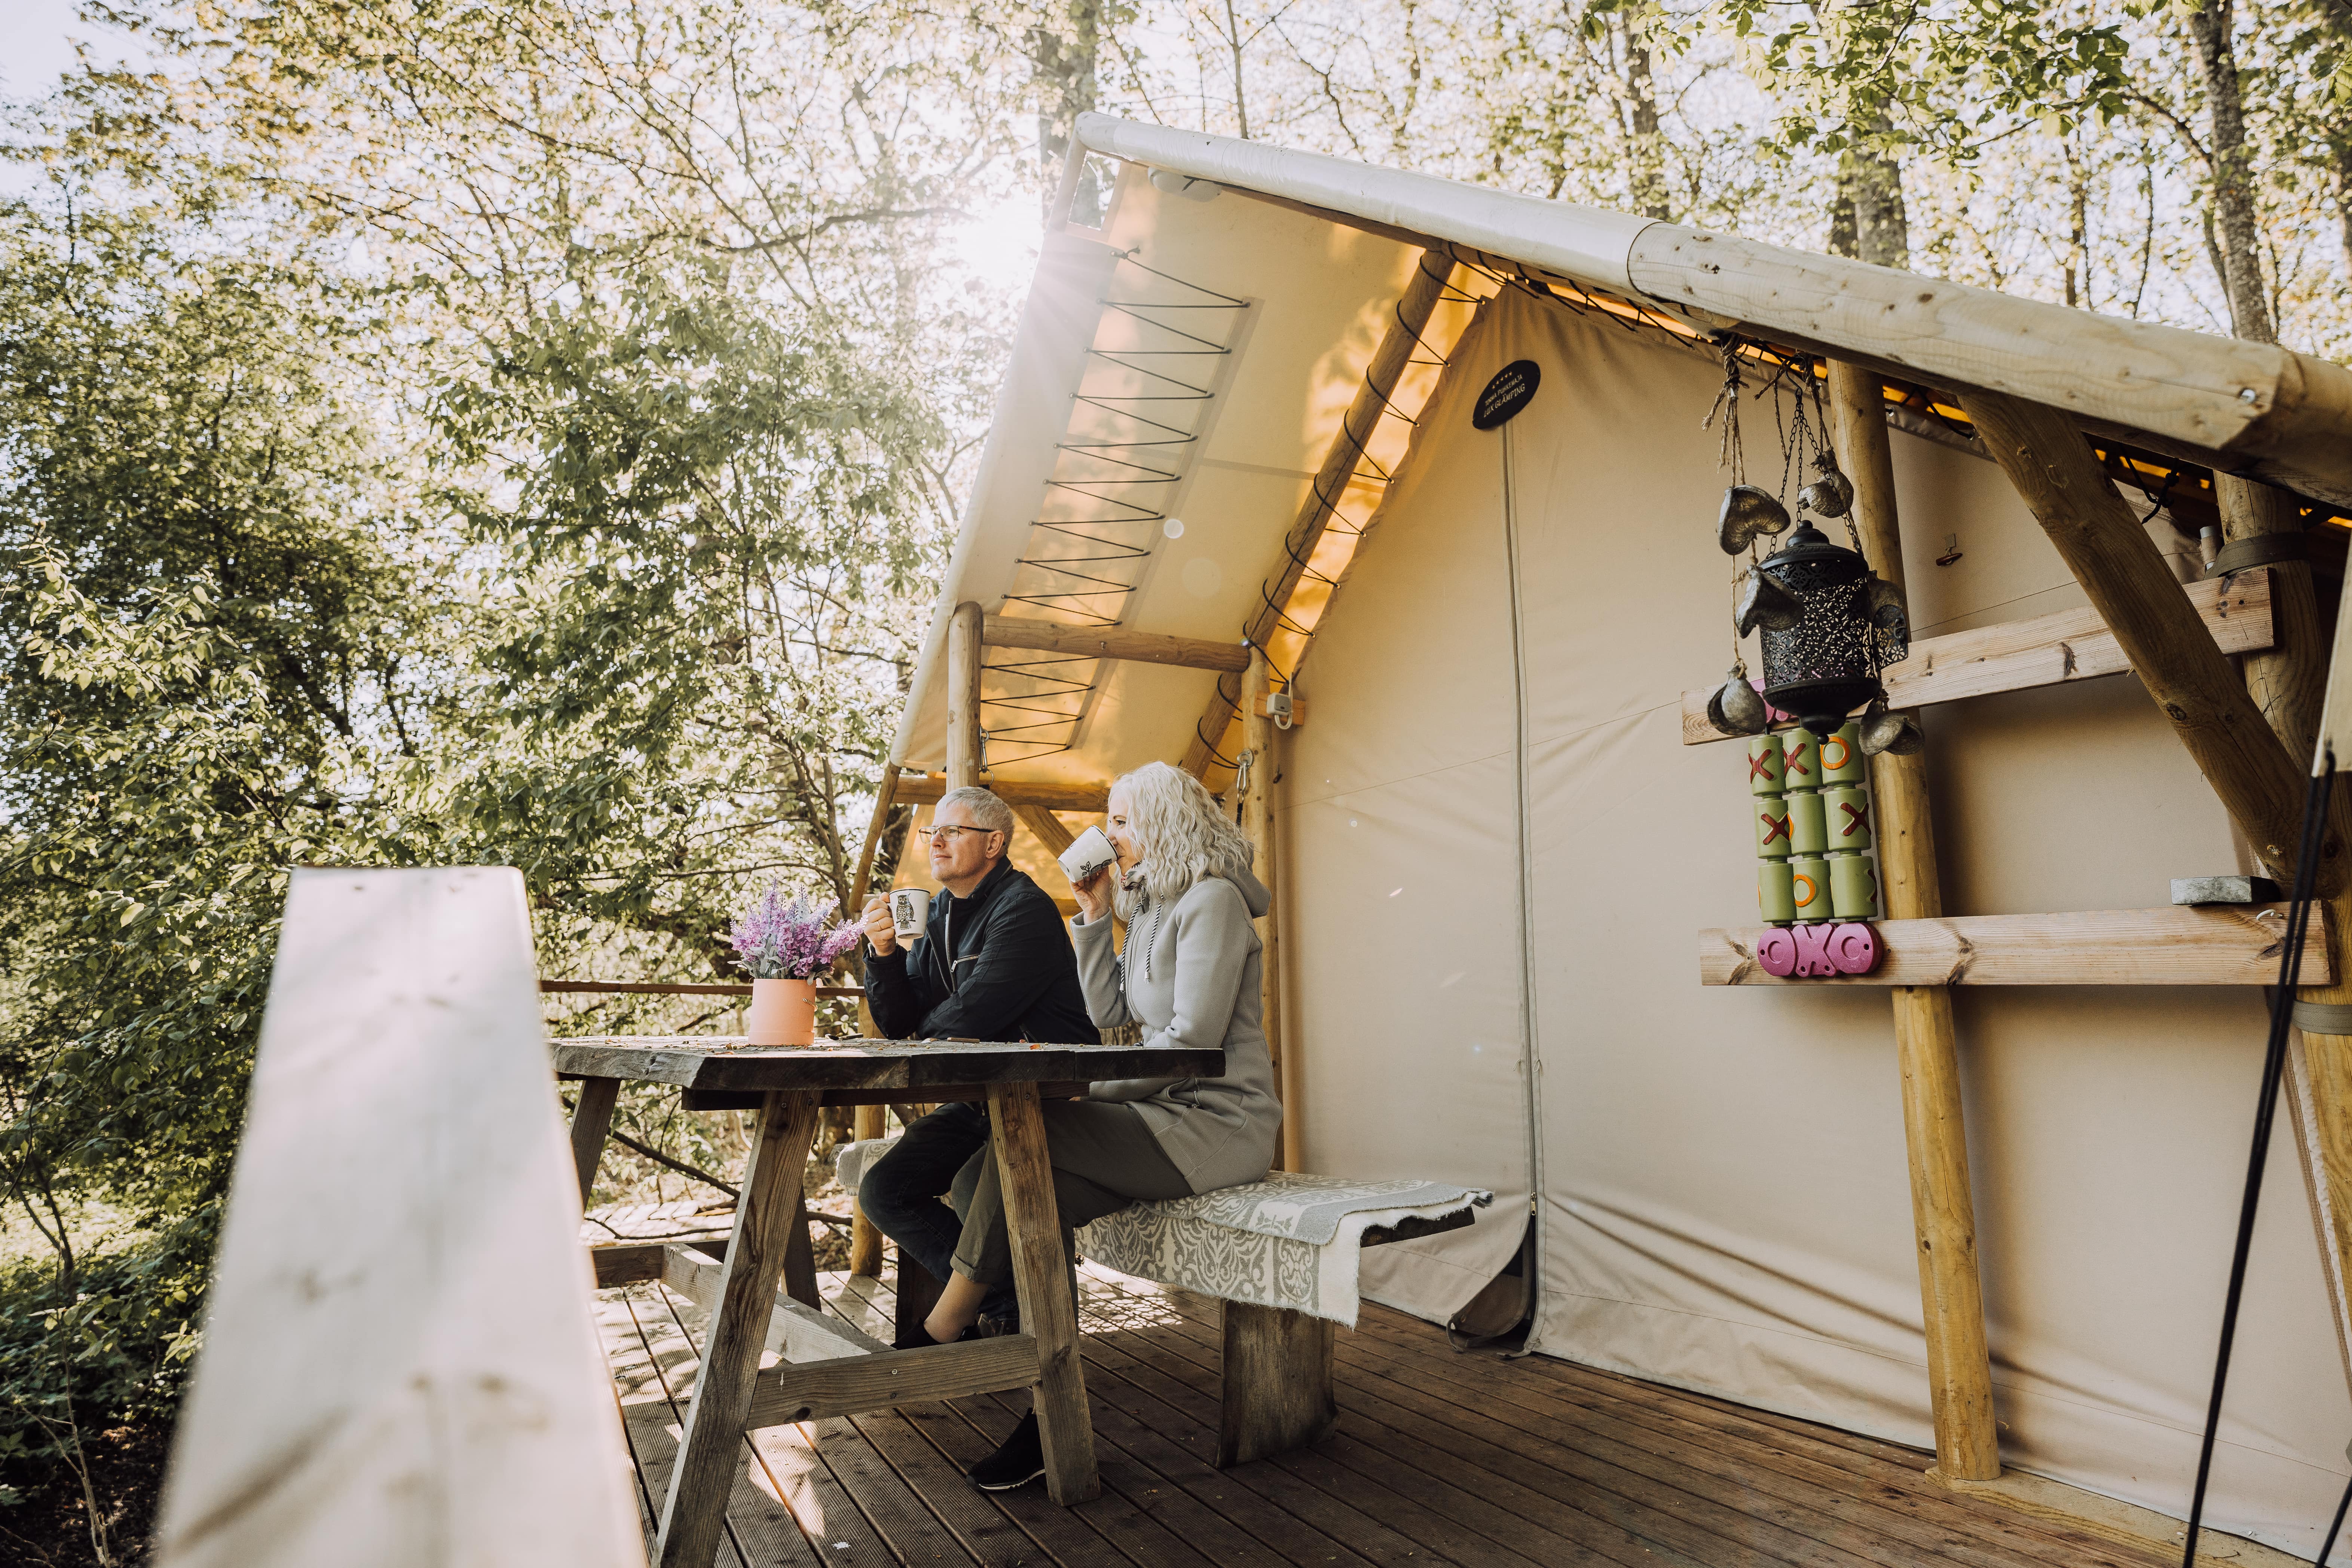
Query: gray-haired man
[(995, 963)]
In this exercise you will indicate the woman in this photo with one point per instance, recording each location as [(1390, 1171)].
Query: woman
[(1189, 976)]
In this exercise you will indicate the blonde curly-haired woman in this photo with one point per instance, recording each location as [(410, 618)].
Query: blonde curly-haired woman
[(1189, 976)]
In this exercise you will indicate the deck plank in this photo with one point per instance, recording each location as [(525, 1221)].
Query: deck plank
[(1903, 1506), (1440, 1459), (820, 1513)]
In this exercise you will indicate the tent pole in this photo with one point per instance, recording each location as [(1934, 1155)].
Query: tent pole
[(963, 696), (1943, 1212), (1258, 824), (2287, 683)]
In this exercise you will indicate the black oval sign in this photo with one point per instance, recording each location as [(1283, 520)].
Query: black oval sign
[(1513, 388)]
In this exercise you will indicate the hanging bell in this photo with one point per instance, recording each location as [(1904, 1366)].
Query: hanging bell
[(1764, 603), (1734, 708), (1894, 734), (1832, 495), (1747, 511)]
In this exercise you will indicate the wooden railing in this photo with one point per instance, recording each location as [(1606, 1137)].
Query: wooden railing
[(399, 1361)]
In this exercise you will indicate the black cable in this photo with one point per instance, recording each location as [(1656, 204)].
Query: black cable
[(2315, 819), (2334, 1525)]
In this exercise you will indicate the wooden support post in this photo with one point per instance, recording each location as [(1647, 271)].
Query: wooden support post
[(963, 696), (864, 1241), (1330, 483), (2190, 680), (1048, 828), (1277, 1392), (1041, 1276), (2287, 683), (591, 1121), (2260, 781), (1943, 1210), (696, 1512), (1258, 824)]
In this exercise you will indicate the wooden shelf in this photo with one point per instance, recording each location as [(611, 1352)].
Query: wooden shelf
[(2047, 651), (2173, 945)]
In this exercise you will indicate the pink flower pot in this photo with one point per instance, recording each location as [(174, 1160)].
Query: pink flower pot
[(783, 1013)]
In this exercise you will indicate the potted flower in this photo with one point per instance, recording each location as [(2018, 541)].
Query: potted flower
[(785, 945)]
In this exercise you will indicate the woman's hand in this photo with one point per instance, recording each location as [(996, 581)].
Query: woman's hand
[(876, 920), (1094, 894)]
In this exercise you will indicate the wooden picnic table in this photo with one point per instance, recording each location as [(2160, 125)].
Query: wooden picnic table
[(792, 1083)]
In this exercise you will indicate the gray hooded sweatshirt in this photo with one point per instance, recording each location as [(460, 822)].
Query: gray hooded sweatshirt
[(1197, 988)]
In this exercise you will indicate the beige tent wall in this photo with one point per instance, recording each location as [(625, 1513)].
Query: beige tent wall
[(1396, 822), (1726, 1204)]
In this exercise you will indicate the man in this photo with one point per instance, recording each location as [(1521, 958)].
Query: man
[(994, 962)]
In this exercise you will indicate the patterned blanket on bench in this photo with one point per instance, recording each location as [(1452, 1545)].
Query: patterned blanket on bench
[(1287, 1241)]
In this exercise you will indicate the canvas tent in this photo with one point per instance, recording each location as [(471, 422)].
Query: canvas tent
[(1239, 407)]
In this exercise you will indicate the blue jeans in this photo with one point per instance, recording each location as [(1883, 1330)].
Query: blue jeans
[(941, 1153)]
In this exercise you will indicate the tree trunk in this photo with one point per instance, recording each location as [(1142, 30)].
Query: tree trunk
[(1869, 207), (1649, 147), (1066, 59), (2233, 193)]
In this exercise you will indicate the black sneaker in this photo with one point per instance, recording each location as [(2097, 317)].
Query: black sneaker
[(1020, 1460), (997, 1326)]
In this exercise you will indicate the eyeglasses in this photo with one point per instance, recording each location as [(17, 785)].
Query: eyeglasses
[(948, 834)]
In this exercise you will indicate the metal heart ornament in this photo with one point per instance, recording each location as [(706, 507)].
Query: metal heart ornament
[(1893, 735), (1764, 603), (1734, 708), (1747, 512), (1882, 604), (1832, 495)]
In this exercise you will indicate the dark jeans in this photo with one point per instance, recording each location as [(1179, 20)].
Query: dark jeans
[(1103, 1158), (941, 1153)]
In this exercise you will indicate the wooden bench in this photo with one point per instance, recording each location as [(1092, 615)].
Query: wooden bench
[(1276, 1369)]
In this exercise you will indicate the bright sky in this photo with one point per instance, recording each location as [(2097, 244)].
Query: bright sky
[(36, 43)]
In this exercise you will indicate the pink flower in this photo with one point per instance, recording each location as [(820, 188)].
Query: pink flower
[(794, 940)]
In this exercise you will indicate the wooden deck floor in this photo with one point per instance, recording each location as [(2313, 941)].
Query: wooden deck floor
[(1439, 1458)]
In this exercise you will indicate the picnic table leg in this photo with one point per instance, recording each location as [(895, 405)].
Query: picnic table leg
[(799, 1257), (707, 1453), (591, 1121), (1041, 1276)]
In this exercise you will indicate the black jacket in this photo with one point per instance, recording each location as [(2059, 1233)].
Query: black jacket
[(1017, 978)]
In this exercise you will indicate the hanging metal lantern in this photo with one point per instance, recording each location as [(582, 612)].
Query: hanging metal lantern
[(1825, 666)]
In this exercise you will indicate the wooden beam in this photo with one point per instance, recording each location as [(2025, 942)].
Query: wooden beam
[(964, 739), (696, 1510), (1049, 829), (1257, 825), (2176, 944), (2187, 676), (2045, 651), (1926, 1042), (1112, 642), (1387, 361), (1087, 798), (400, 1359), (796, 1330), (2245, 405), (853, 1385)]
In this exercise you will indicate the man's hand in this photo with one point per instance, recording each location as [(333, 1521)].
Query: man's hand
[(1094, 893), (876, 920)]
